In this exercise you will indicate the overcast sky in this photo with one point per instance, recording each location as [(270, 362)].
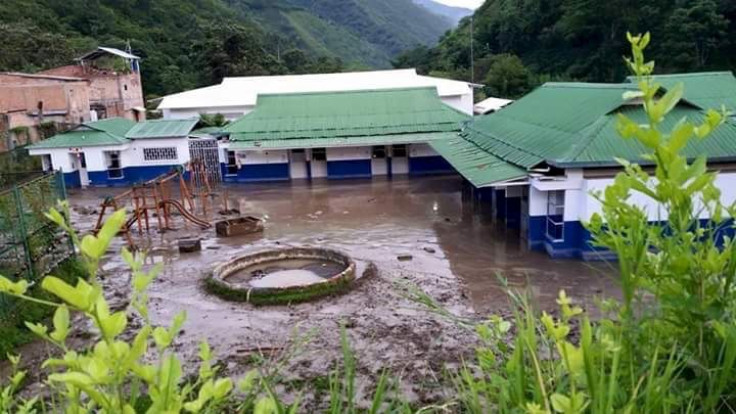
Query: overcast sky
[(470, 4)]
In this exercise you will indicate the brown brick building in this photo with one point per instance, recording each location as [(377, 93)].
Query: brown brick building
[(105, 83)]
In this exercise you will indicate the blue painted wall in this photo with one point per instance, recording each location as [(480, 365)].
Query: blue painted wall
[(349, 169), (536, 235), (252, 173), (101, 179), (429, 165), (71, 180)]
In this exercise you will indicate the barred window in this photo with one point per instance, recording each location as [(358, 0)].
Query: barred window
[(157, 154)]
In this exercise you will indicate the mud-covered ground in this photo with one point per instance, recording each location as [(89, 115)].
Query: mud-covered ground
[(456, 256)]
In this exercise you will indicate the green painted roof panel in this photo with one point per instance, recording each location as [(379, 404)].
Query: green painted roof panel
[(477, 166), (98, 133), (162, 128), (544, 123), (601, 143), (709, 90), (342, 141), (346, 114)]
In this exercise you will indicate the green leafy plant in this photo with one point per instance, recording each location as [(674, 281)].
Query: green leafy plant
[(112, 376), (669, 346)]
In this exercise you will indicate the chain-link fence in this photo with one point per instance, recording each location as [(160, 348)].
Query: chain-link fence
[(30, 245)]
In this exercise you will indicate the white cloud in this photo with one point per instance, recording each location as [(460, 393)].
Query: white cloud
[(470, 4)]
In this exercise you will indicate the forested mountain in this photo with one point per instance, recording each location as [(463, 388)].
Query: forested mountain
[(522, 43), (187, 43), (455, 14)]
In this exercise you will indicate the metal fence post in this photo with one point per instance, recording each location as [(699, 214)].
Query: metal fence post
[(22, 231)]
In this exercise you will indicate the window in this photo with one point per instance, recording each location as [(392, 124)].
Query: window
[(114, 168), (232, 164), (556, 215), (160, 154), (378, 151), (125, 87), (319, 154), (399, 151)]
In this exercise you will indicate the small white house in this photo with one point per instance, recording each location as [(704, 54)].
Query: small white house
[(116, 151), (237, 96)]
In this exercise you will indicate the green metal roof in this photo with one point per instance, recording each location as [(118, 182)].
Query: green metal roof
[(477, 166), (545, 123), (98, 133), (709, 90), (162, 128), (570, 125), (342, 141), (346, 114), (600, 143)]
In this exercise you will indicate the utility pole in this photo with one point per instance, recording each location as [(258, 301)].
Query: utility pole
[(472, 51)]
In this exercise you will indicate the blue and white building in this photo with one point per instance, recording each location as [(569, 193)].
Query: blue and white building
[(116, 151)]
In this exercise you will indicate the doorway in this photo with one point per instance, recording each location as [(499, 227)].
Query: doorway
[(297, 164), (79, 161)]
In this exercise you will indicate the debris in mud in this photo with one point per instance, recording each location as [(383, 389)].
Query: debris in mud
[(404, 257), (190, 245), (86, 211), (430, 250), (230, 212), (213, 247)]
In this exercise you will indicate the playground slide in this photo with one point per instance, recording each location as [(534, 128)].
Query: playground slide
[(187, 215)]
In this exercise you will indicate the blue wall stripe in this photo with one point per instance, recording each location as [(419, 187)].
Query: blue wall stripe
[(349, 169), (429, 165)]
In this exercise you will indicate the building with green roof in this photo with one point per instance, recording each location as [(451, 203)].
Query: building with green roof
[(116, 151), (538, 159), (340, 135)]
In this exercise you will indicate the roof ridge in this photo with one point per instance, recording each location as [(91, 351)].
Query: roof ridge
[(586, 85), (352, 91), (691, 74), (597, 126)]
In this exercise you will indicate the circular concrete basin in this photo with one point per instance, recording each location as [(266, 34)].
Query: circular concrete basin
[(282, 276)]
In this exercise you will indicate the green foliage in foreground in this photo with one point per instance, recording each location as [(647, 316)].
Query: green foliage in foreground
[(668, 347)]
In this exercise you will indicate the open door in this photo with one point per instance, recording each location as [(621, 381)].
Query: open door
[(80, 164)]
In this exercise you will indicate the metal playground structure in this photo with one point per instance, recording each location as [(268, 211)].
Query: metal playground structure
[(158, 198)]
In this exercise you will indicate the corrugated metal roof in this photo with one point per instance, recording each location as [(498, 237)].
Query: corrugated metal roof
[(162, 128), (600, 144), (244, 91), (572, 124), (346, 114), (544, 123), (477, 166), (99, 133), (705, 89), (343, 141)]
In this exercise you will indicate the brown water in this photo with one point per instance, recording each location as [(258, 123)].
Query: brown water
[(415, 231), (287, 272)]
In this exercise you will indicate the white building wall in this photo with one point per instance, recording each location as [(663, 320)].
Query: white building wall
[(94, 156), (263, 157), (134, 156), (421, 150), (580, 205), (462, 103), (231, 113), (537, 202), (348, 153)]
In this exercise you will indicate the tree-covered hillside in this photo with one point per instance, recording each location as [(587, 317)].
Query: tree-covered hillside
[(187, 43), (521, 43)]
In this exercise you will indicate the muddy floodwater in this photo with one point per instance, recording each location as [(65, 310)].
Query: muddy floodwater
[(287, 272), (447, 248)]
